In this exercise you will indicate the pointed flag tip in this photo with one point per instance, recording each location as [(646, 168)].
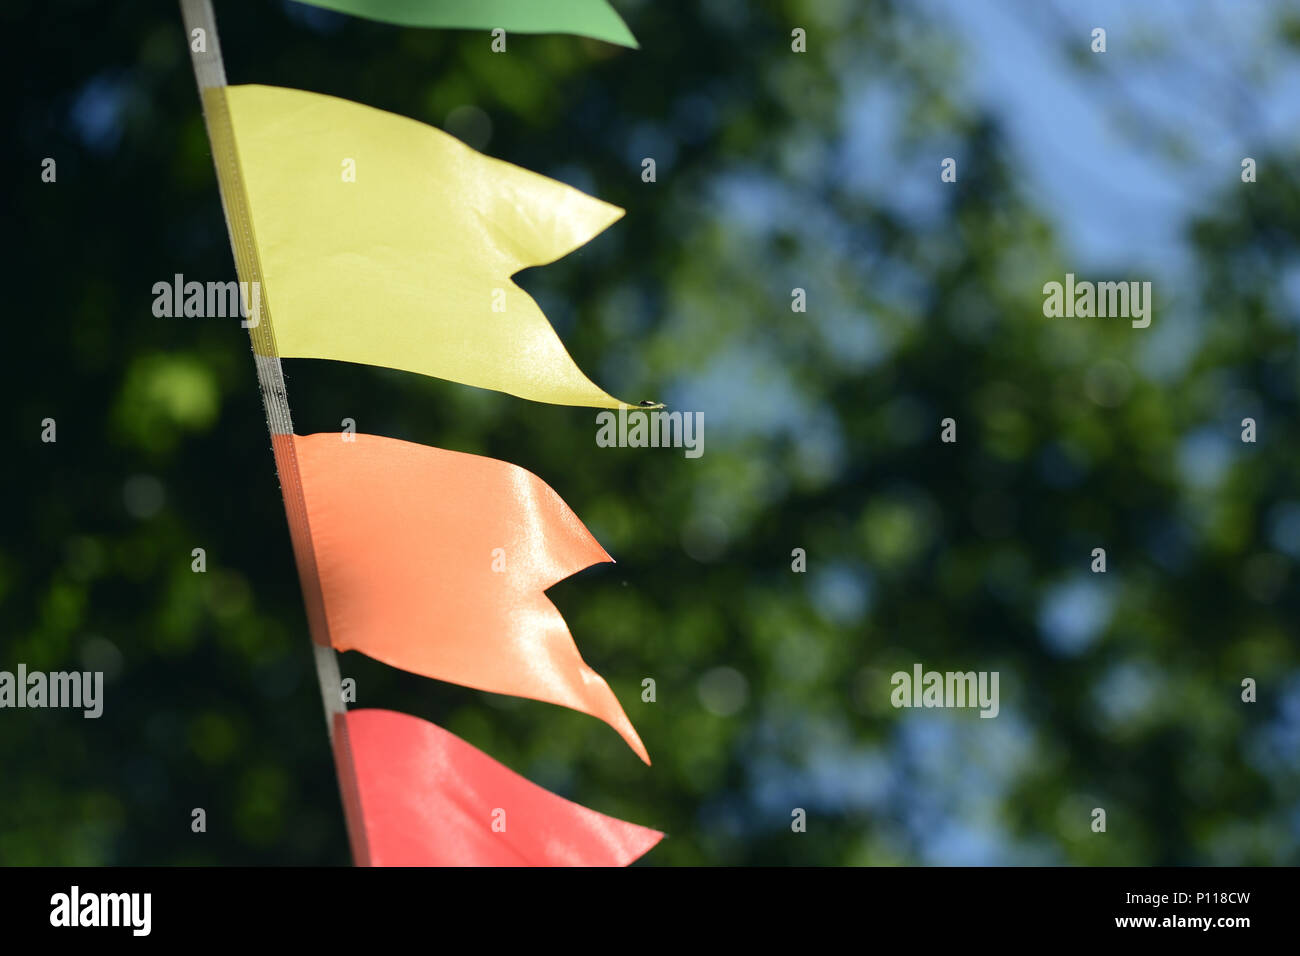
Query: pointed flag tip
[(623, 37), (631, 737)]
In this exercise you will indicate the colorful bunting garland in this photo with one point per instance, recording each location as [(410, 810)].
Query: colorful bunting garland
[(428, 560)]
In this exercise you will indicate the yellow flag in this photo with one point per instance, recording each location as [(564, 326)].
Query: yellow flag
[(385, 241)]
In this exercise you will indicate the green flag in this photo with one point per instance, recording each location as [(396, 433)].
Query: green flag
[(587, 18)]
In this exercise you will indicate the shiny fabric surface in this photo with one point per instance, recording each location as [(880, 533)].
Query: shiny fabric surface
[(436, 562), (427, 798), (587, 18), (406, 264)]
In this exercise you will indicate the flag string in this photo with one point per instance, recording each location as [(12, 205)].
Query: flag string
[(210, 75)]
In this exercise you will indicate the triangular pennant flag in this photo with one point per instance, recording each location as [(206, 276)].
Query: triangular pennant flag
[(385, 241), (424, 797), (586, 18), (436, 562)]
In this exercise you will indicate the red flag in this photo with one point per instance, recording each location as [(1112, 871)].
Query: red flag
[(421, 796), (436, 562)]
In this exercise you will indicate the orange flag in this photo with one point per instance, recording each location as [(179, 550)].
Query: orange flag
[(435, 561), (421, 796)]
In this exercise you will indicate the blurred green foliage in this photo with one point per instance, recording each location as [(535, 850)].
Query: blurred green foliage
[(821, 434)]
